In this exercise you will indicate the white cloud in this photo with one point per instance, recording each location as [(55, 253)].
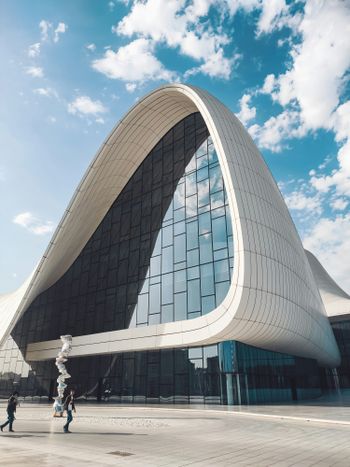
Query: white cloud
[(324, 54), (329, 240), (60, 29), (35, 71), (246, 112), (46, 92), (130, 87), (84, 105), (179, 25), (100, 120), (34, 50), (277, 129), (47, 31), (33, 224), (339, 204), (91, 47), (44, 26), (299, 201), (52, 119), (133, 62)]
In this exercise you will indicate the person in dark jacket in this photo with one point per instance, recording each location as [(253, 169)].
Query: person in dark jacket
[(69, 406), (11, 409)]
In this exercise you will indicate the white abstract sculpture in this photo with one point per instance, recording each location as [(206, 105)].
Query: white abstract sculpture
[(61, 359)]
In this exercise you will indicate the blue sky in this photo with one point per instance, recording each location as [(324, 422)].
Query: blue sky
[(71, 69)]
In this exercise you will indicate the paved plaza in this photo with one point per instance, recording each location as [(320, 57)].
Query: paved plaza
[(309, 434)]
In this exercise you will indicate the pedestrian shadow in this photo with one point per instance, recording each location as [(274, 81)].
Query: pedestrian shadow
[(85, 433), (21, 436)]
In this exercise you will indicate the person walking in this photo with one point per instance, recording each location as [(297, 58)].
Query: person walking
[(11, 409), (69, 406)]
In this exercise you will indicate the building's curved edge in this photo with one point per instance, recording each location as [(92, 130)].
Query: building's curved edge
[(336, 301), (273, 301)]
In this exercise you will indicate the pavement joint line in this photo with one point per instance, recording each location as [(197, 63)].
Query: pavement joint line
[(250, 414)]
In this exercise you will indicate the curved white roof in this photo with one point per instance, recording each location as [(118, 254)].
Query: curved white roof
[(273, 301), (335, 300)]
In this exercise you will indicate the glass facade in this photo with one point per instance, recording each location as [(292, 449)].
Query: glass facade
[(162, 253), (341, 329)]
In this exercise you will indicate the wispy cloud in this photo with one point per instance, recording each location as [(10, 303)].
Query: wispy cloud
[(84, 105), (33, 224), (35, 71), (34, 50)]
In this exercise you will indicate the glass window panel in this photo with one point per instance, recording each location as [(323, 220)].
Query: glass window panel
[(202, 150), (194, 302), (202, 161), (207, 279), (179, 196), (180, 306), (154, 319), (191, 206), (202, 174), (218, 212), (221, 270), (220, 254), (221, 291), (167, 314), (204, 223), (180, 248), (180, 281), (216, 181), (167, 259), (179, 228), (193, 257), (179, 215), (193, 273), (155, 266), (191, 165), (195, 352), (213, 157), (167, 235), (167, 288), (203, 193), (205, 248), (142, 309), (157, 247), (208, 304), (191, 185), (217, 200), (154, 298), (192, 235), (219, 233)]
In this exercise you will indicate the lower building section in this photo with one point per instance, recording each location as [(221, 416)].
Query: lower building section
[(341, 329), (227, 373)]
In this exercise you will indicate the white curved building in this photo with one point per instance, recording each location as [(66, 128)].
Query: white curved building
[(160, 169)]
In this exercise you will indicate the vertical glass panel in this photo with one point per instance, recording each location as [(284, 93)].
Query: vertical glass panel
[(179, 196), (204, 223), (216, 181), (167, 259), (180, 306), (154, 298), (207, 279), (203, 193), (219, 233), (167, 235), (205, 248), (191, 184), (221, 270), (194, 302), (180, 283), (142, 309), (192, 235), (167, 288), (180, 248)]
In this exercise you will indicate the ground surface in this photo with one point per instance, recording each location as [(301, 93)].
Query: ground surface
[(315, 434)]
